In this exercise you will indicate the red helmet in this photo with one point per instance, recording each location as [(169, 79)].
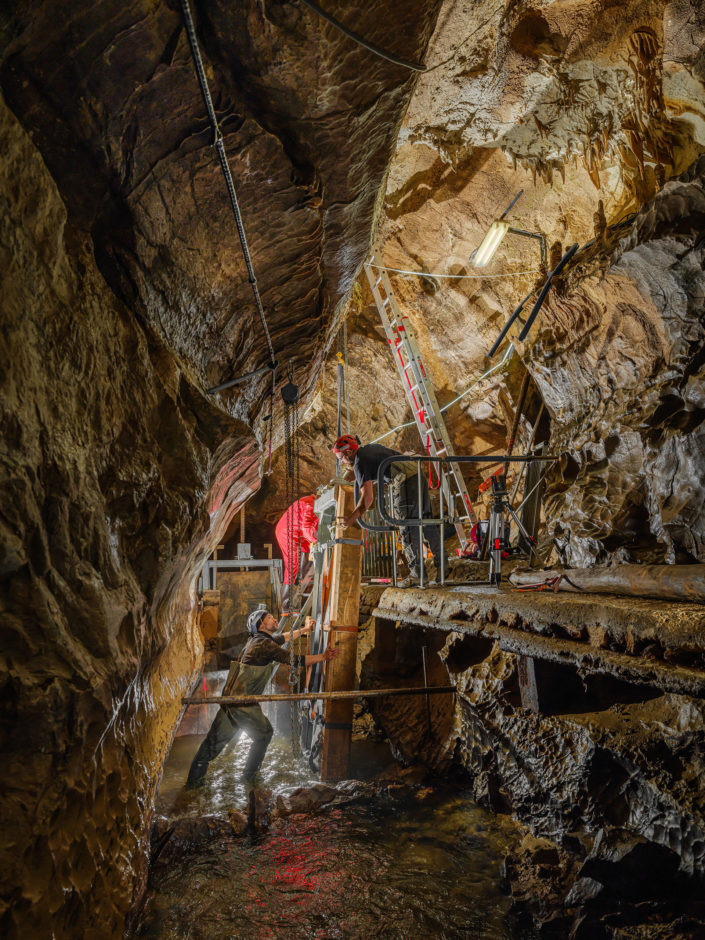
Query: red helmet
[(347, 444)]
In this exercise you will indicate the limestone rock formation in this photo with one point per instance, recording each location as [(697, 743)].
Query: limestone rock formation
[(125, 297), (611, 793)]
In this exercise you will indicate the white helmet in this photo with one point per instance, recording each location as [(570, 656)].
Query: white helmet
[(255, 619)]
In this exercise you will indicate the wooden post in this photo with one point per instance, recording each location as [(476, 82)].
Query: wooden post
[(346, 568), (527, 683), (242, 523)]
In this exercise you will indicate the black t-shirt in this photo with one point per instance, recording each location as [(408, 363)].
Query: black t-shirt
[(368, 459)]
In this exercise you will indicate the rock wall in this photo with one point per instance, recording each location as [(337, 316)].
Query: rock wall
[(606, 777), (124, 296), (108, 456), (595, 112)]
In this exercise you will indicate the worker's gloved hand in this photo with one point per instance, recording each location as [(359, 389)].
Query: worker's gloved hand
[(331, 653), (309, 624)]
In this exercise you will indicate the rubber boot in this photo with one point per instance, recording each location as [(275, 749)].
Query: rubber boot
[(221, 731), (258, 749)]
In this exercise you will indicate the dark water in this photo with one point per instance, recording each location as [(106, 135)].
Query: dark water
[(424, 867)]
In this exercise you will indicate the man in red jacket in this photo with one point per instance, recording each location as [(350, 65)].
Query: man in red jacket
[(304, 524)]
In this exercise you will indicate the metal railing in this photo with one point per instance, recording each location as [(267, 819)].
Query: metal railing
[(501, 506)]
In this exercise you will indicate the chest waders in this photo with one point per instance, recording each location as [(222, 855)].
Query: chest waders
[(232, 720)]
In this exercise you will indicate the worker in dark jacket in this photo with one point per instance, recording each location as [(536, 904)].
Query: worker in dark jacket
[(365, 462), (248, 675)]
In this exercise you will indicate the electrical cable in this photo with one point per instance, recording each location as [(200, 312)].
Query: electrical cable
[(400, 427), (222, 156), (346, 376), (545, 289), (460, 277), (360, 40)]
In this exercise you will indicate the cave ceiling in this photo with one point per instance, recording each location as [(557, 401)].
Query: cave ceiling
[(309, 121), (590, 108)]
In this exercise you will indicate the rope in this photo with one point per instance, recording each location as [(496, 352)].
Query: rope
[(361, 41), (222, 156), (471, 277)]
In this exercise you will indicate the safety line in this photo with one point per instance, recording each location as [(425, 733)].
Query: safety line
[(361, 40), (400, 427), (471, 277), (220, 148)]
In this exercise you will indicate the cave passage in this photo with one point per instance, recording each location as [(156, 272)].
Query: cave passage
[(432, 272)]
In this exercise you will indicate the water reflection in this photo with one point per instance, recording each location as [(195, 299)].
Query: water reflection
[(425, 868)]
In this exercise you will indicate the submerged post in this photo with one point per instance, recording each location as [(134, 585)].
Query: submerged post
[(346, 568)]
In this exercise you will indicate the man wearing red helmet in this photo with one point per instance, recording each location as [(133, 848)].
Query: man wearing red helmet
[(365, 462)]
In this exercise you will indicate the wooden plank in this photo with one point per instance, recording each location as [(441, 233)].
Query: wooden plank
[(311, 696), (528, 688), (346, 570)]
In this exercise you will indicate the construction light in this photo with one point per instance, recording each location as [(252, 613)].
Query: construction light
[(493, 239), (490, 244)]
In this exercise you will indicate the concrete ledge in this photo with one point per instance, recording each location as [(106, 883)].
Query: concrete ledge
[(595, 633)]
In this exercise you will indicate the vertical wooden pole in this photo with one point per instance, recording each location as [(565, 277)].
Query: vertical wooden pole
[(346, 568), (527, 683), (242, 523)]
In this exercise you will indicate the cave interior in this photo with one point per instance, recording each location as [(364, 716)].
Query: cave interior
[(194, 191)]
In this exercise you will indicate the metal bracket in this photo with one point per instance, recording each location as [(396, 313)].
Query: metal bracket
[(321, 545)]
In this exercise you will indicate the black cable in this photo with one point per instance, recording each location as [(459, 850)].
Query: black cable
[(545, 289), (361, 41), (220, 147), (507, 325)]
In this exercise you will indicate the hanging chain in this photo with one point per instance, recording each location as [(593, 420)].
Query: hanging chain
[(346, 375), (290, 394)]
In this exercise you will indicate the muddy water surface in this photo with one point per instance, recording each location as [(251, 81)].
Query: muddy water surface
[(425, 866)]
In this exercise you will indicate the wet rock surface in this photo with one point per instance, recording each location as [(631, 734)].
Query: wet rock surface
[(611, 794), (125, 297)]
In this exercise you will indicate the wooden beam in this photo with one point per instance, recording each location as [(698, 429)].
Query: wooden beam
[(684, 680), (311, 696), (346, 570), (526, 671)]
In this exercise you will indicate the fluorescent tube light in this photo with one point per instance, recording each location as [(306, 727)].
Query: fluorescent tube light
[(490, 244)]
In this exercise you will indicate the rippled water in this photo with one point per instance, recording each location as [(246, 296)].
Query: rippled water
[(427, 867)]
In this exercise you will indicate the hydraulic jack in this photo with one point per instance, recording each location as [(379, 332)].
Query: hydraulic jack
[(498, 532)]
